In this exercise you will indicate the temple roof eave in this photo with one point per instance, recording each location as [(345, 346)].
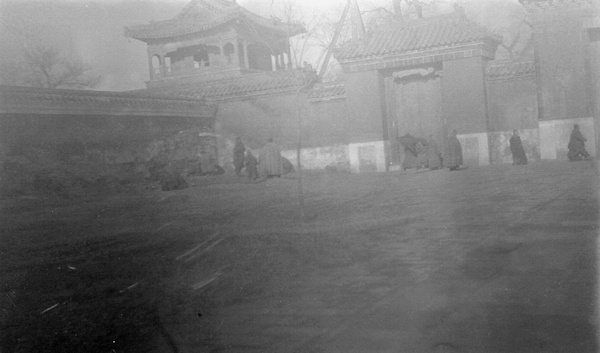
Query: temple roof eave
[(44, 101), (510, 70), (178, 27), (422, 36), (260, 83), (485, 47)]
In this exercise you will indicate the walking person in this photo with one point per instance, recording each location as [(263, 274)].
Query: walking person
[(269, 160), (517, 150), (434, 156), (577, 151), (411, 157), (251, 165), (238, 156), (454, 158)]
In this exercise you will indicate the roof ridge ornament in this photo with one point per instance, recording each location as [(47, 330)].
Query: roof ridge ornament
[(414, 73)]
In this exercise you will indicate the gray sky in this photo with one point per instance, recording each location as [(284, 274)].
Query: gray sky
[(93, 29)]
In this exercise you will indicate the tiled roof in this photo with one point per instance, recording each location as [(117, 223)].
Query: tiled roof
[(553, 3), (31, 100), (201, 15), (510, 69), (327, 92), (250, 84), (439, 31)]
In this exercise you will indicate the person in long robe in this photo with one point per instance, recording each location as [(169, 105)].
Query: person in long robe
[(269, 160), (411, 156), (454, 158), (251, 165), (421, 153), (576, 145), (434, 155), (239, 151), (517, 150)]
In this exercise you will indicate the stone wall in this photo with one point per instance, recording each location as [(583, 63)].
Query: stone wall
[(72, 154), (512, 104), (328, 157), (324, 127)]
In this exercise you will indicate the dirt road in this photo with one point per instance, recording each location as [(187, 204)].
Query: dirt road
[(491, 259)]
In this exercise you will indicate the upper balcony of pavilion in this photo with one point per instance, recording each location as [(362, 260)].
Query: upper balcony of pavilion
[(211, 39)]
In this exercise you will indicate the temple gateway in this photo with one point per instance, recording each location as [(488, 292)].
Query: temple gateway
[(423, 77)]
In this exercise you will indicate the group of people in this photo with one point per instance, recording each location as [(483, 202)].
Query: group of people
[(419, 152), (422, 153), (269, 163), (576, 146)]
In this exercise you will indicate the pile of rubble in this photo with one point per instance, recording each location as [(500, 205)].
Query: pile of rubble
[(74, 168)]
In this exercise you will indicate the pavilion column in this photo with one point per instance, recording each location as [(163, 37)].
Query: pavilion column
[(288, 53), (222, 60), (277, 64), (163, 67), (150, 66), (236, 53), (289, 60), (245, 48)]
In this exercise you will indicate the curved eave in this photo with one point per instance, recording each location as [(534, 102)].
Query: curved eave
[(408, 40), (28, 100), (400, 53), (146, 33)]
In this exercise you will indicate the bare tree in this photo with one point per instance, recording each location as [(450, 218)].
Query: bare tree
[(311, 47), (402, 10), (38, 65)]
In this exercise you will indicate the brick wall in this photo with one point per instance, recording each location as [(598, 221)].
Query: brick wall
[(512, 104), (324, 125), (71, 153)]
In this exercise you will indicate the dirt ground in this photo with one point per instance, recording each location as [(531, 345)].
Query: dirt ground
[(490, 259)]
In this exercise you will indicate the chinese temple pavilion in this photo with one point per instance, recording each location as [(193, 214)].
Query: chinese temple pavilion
[(214, 39)]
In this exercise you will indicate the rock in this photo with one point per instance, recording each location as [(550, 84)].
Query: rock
[(141, 171), (171, 182)]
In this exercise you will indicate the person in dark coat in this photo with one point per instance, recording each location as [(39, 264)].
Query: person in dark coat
[(453, 158), (411, 155), (576, 146), (434, 156), (251, 165), (238, 156), (516, 148)]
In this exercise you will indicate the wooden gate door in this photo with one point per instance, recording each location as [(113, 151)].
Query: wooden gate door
[(413, 106)]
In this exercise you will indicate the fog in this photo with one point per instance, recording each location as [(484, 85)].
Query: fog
[(93, 30)]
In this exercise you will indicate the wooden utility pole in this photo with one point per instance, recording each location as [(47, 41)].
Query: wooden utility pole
[(336, 34), (300, 103)]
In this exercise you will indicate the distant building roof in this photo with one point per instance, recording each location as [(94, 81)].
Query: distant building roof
[(31, 100), (246, 85), (202, 15), (548, 3), (510, 70), (423, 34)]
